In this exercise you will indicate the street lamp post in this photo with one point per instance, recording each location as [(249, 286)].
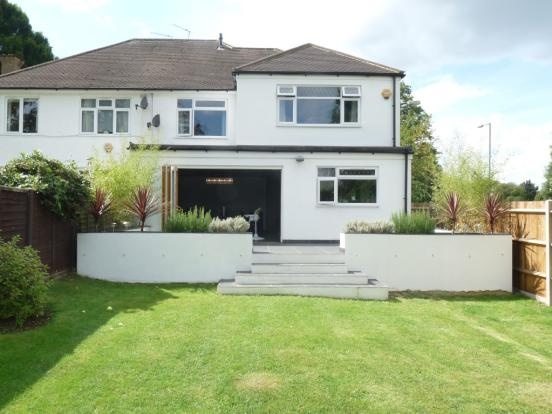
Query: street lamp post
[(481, 126)]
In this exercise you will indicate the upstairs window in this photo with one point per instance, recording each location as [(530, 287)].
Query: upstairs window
[(22, 115), (201, 118), (356, 185), (105, 116), (318, 105)]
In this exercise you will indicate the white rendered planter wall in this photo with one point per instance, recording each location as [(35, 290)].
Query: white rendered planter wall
[(163, 257), (459, 262)]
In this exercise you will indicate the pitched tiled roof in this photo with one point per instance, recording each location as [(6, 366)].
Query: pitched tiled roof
[(163, 64), (315, 59)]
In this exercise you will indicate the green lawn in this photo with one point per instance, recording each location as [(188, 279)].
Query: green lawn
[(186, 349)]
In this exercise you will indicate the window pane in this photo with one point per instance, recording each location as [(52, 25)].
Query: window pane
[(184, 122), (351, 111), (210, 104), (286, 110), (286, 90), (326, 172), (356, 191), (210, 123), (357, 171), (88, 103), (319, 91), (105, 102), (13, 115), (122, 121), (318, 111), (122, 103), (184, 103), (326, 190), (105, 122), (87, 121), (30, 115)]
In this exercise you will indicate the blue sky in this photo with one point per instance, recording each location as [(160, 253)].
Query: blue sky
[(469, 61)]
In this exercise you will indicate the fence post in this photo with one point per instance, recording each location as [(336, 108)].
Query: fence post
[(548, 238)]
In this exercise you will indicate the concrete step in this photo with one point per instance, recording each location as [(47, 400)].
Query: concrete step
[(374, 290), (301, 268), (247, 278), (298, 258)]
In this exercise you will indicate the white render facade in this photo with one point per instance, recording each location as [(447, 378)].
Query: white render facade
[(251, 137)]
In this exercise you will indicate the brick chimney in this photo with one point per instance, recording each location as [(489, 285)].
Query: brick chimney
[(9, 63)]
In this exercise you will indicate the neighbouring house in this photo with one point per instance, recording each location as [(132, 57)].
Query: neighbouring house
[(309, 135)]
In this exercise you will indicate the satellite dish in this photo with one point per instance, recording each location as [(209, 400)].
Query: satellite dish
[(156, 120), (143, 103)]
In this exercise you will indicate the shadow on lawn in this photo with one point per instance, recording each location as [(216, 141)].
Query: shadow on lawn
[(485, 296), (80, 307)]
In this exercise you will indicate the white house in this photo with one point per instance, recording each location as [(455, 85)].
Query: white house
[(309, 135)]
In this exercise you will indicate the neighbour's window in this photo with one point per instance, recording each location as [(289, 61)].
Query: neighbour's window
[(318, 105), (356, 185), (105, 116), (22, 115), (206, 118)]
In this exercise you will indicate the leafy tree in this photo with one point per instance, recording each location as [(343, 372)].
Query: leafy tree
[(526, 191), (545, 192), (17, 36), (416, 132), (60, 187)]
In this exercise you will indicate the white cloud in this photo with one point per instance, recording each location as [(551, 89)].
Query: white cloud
[(520, 151), (76, 5), (439, 95)]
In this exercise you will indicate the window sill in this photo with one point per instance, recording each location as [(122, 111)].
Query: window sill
[(347, 205), (19, 134), (281, 124), (199, 137), (93, 134)]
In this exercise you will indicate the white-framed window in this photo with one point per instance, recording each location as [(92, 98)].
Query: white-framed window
[(22, 115), (347, 185), (201, 117), (105, 115), (318, 105)]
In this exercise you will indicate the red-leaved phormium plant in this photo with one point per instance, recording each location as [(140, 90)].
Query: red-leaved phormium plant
[(99, 206), (452, 208), (495, 208), (142, 204)]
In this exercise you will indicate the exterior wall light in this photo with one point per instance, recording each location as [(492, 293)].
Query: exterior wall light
[(386, 93), (299, 158)]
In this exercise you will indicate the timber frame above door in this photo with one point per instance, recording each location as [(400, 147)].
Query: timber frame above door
[(169, 190)]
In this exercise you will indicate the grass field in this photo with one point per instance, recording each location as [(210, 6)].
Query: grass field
[(186, 349)]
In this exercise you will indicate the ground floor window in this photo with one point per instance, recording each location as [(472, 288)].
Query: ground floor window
[(340, 185), (22, 115)]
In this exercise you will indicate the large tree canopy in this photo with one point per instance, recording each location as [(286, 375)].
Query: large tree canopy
[(416, 132), (17, 36)]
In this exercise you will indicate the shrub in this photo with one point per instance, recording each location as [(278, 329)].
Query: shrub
[(236, 224), (121, 174), (451, 209), (495, 208), (60, 187), (415, 223), (142, 204), (23, 282), (99, 206), (196, 220), (362, 227)]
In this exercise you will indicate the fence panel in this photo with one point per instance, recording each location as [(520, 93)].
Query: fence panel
[(22, 214)]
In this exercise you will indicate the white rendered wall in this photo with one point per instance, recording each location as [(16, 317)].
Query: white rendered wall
[(257, 113), (459, 262), (59, 133), (302, 218), (163, 257)]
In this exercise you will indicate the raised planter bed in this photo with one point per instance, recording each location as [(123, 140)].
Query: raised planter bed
[(459, 262), (154, 257)]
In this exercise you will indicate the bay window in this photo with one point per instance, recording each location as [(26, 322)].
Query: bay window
[(22, 115), (356, 185), (201, 118), (318, 105), (105, 116)]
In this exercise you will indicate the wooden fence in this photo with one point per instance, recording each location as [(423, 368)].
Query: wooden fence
[(530, 225), (22, 214)]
